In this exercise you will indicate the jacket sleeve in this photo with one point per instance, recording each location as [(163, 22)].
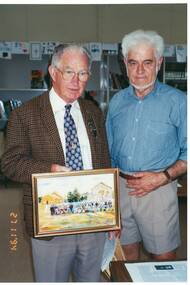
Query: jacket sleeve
[(105, 153), (17, 162), (110, 136)]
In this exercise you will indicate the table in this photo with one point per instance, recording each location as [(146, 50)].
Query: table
[(119, 273)]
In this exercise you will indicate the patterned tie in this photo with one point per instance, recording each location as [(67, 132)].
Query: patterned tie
[(73, 152)]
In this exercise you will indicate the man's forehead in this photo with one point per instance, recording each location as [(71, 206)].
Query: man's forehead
[(142, 51), (73, 56)]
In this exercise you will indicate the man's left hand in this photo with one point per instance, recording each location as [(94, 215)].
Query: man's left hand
[(114, 234), (145, 182)]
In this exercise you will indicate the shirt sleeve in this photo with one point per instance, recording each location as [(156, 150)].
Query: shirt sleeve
[(182, 131)]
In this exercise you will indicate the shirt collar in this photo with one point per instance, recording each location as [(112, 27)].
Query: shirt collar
[(58, 104)]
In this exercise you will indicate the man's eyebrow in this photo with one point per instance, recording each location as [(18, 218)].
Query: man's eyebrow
[(68, 67), (131, 60)]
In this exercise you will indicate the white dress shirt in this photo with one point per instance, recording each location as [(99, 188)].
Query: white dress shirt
[(58, 107)]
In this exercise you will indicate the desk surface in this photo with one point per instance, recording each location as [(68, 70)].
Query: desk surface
[(119, 272)]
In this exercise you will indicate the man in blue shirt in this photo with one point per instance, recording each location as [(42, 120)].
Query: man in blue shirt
[(146, 128)]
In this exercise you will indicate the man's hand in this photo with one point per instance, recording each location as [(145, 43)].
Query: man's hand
[(113, 234), (59, 168), (145, 182)]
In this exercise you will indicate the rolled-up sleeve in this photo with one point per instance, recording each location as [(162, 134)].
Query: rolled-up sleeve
[(182, 131)]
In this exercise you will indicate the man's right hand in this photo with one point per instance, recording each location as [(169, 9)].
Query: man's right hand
[(59, 168)]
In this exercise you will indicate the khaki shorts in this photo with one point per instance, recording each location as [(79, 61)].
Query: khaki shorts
[(153, 219)]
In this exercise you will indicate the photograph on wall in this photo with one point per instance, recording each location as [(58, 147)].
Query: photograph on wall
[(75, 202)]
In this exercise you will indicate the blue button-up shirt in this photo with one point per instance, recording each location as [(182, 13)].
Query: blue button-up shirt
[(148, 134)]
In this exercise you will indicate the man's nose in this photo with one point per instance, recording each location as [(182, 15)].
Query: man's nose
[(75, 77), (140, 68)]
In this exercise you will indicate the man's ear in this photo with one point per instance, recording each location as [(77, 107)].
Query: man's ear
[(52, 72), (125, 60), (160, 62)]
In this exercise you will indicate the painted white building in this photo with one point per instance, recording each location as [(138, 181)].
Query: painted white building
[(101, 193)]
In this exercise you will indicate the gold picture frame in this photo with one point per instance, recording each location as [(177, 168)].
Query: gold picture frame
[(75, 202)]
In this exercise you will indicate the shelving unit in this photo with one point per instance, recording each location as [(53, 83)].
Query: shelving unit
[(175, 73), (112, 78)]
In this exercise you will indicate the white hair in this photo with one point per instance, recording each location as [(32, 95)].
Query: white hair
[(61, 49), (137, 37)]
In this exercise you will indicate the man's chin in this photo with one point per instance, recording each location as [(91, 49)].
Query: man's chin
[(142, 87), (73, 97)]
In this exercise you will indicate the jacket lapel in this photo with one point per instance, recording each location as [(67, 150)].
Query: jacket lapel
[(48, 120), (90, 123)]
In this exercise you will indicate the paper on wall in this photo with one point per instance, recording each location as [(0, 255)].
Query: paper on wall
[(181, 53), (96, 51)]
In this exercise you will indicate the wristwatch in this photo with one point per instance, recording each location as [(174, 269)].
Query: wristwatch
[(167, 175)]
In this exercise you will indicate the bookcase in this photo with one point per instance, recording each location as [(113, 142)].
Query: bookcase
[(175, 73), (113, 76)]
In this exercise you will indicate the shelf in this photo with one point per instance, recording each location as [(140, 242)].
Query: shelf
[(17, 89), (176, 79)]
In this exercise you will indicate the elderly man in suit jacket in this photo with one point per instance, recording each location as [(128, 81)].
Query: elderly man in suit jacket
[(36, 144)]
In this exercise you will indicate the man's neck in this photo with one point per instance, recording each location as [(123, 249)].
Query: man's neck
[(141, 93)]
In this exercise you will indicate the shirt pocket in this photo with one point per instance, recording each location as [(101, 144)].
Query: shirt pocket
[(160, 135)]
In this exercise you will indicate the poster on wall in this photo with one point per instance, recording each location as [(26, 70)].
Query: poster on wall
[(6, 50), (96, 51), (181, 53), (48, 47), (35, 51), (20, 47)]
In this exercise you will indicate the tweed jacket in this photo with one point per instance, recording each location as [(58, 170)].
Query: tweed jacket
[(33, 144)]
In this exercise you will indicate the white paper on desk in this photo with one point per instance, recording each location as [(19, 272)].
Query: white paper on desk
[(175, 271)]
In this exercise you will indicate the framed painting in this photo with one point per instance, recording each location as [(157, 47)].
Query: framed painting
[(75, 202)]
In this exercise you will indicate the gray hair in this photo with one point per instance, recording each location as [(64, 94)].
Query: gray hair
[(62, 48), (139, 36)]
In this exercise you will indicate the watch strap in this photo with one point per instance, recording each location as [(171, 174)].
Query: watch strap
[(167, 175)]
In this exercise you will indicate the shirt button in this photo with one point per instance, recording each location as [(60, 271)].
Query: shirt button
[(140, 102), (129, 157), (136, 120), (133, 138)]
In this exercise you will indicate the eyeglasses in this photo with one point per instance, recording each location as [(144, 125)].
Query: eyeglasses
[(69, 74)]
